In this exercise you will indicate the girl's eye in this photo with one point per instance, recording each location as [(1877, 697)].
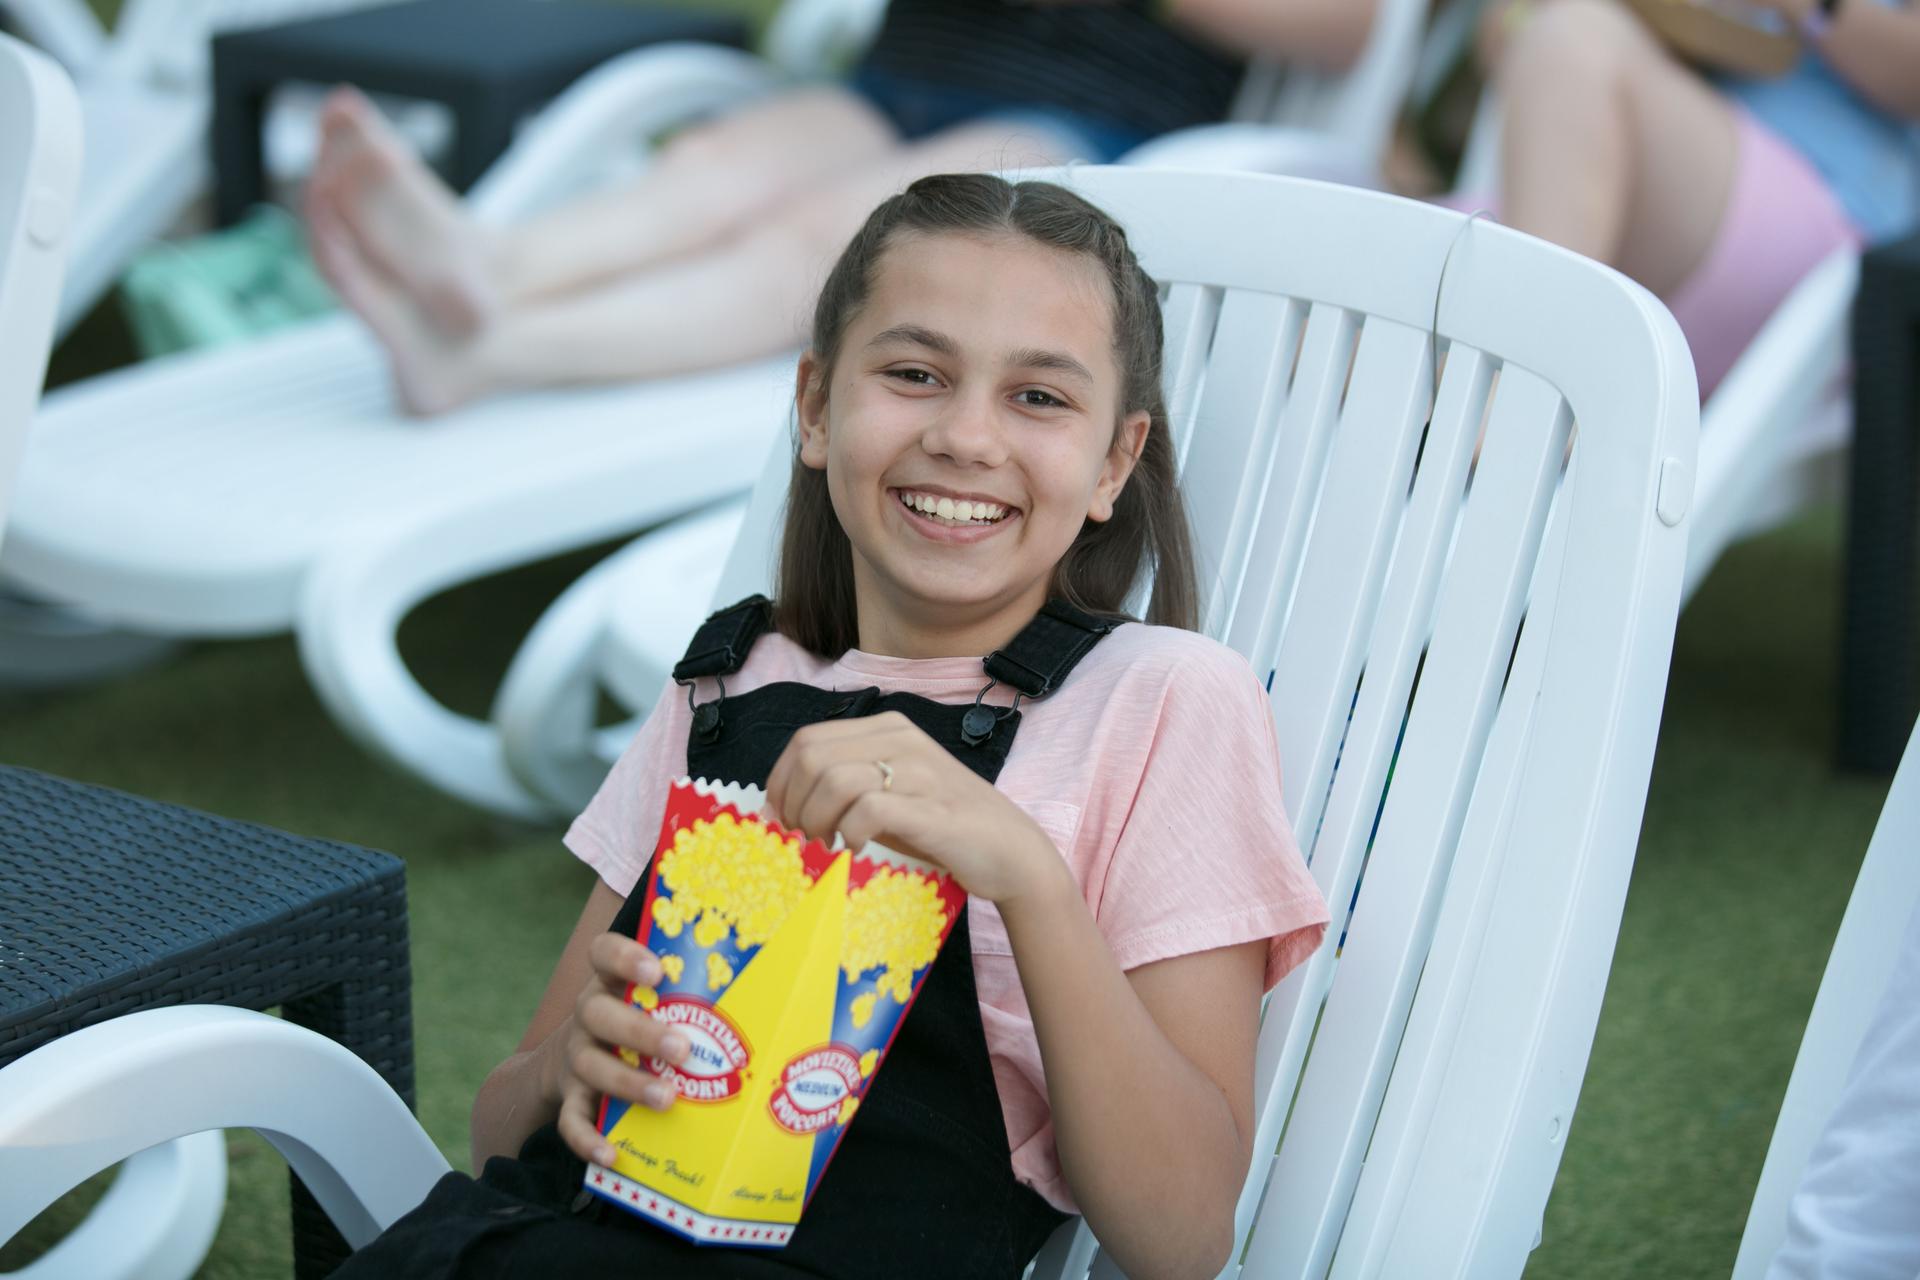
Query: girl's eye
[(1035, 398), (913, 377)]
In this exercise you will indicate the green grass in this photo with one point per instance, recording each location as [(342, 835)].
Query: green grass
[(1749, 851)]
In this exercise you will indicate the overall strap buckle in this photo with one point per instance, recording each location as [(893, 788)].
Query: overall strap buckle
[(1035, 662), (718, 649)]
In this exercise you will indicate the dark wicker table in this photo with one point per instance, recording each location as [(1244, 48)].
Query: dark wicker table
[(110, 903), (1878, 691), (490, 61)]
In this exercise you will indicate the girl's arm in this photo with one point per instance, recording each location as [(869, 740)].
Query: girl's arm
[(1149, 1074), (1328, 33), (1875, 47), (1150, 1078), (565, 1061)]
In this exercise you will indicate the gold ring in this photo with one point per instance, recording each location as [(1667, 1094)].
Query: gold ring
[(886, 774)]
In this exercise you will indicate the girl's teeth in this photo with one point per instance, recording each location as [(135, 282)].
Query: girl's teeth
[(964, 512)]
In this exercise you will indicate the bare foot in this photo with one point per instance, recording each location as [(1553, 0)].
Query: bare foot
[(434, 371), (405, 221)]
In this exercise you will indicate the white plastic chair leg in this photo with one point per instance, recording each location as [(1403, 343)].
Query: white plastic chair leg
[(156, 1221), (102, 1094)]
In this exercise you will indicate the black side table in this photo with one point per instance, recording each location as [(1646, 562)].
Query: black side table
[(490, 61), (110, 904), (1878, 693)]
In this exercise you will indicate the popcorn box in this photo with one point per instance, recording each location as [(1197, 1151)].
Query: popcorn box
[(789, 966)]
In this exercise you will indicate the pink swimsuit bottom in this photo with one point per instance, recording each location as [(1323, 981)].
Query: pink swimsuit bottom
[(1780, 222)]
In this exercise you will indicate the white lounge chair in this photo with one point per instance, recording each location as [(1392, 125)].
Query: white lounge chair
[(1865, 953), (197, 496), (159, 1216), (1416, 1084)]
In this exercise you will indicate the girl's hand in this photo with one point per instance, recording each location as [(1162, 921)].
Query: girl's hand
[(583, 1057), (923, 803)]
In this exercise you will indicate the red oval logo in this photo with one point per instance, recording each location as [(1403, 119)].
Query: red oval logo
[(716, 1051), (813, 1087)]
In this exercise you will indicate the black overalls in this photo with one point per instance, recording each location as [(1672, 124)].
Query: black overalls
[(922, 1185)]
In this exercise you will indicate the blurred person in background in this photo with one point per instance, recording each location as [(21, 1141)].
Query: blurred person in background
[(710, 257), (1717, 192)]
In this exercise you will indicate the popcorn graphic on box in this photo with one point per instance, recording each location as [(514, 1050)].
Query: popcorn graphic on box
[(788, 964)]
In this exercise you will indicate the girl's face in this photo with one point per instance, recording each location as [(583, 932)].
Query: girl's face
[(968, 431)]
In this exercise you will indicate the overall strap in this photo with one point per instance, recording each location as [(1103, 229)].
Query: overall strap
[(721, 645), (1036, 662), (720, 648), (1039, 659)]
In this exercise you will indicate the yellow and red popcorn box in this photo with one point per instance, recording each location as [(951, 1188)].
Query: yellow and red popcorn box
[(789, 964)]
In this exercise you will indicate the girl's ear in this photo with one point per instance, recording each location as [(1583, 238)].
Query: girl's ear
[(1128, 441), (810, 409)]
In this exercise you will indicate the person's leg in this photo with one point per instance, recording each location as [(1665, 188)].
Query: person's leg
[(743, 298), (1781, 221), (704, 184), (1611, 147)]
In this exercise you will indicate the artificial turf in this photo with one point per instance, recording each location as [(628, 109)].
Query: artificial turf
[(1749, 851)]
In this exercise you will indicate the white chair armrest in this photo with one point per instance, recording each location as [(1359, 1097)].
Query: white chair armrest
[(637, 95), (156, 1222), (99, 1095), (1258, 148)]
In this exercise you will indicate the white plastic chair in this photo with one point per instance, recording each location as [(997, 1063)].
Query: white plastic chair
[(1356, 548), (247, 490), (159, 1216), (1865, 952)]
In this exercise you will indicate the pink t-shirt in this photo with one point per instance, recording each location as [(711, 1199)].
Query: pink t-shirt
[(1155, 771)]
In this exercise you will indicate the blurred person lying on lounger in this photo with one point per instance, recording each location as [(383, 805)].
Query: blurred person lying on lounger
[(711, 256), (1716, 190)]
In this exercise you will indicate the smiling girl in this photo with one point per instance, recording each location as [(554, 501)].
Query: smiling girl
[(983, 475)]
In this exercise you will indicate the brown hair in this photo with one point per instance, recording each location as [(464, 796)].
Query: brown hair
[(1149, 523)]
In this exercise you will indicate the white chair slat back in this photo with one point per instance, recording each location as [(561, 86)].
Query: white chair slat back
[(39, 175), (1286, 500), (1351, 515), (1188, 313), (1237, 415)]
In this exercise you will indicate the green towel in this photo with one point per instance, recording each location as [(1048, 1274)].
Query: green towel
[(225, 286)]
